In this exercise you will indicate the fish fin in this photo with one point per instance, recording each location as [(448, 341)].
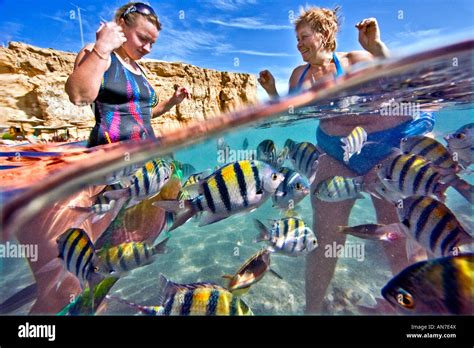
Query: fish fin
[(161, 248), (344, 141), (208, 219), (264, 233), (259, 192), (164, 289), (182, 214), (275, 274), (117, 194), (227, 276)]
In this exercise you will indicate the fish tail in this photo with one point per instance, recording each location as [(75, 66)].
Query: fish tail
[(182, 210), (263, 231), (464, 188), (144, 309)]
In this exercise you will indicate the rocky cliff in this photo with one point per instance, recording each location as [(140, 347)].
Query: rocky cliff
[(32, 85)]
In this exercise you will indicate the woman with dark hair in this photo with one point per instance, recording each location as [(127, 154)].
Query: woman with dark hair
[(106, 74)]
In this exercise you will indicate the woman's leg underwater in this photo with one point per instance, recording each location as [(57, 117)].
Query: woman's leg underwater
[(327, 216)]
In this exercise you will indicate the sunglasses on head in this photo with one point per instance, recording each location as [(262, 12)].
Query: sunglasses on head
[(141, 8)]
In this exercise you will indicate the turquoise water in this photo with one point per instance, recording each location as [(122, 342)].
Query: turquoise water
[(206, 253)]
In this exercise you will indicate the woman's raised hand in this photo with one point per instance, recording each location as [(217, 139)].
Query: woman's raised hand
[(267, 81), (369, 34), (109, 37)]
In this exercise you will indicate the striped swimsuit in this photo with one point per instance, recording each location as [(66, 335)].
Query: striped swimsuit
[(123, 107)]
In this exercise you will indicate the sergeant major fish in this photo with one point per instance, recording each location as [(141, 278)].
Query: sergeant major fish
[(304, 158), (353, 143), (193, 299), (413, 175), (433, 226), (441, 158), (291, 191), (339, 188), (146, 182), (461, 144), (122, 258), (289, 236), (267, 152), (237, 187), (439, 286)]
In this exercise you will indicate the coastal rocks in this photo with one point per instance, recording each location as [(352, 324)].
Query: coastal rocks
[(32, 83)]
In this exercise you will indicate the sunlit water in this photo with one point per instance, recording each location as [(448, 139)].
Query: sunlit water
[(206, 253)]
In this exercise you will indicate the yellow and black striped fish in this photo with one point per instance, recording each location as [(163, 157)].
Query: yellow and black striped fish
[(146, 182), (430, 149), (433, 226), (410, 175), (236, 187), (354, 142), (195, 178), (339, 188), (78, 255), (442, 159), (122, 258), (304, 158), (440, 286), (251, 272), (291, 191), (289, 236), (198, 299)]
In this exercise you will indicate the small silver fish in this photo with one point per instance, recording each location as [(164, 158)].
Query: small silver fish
[(461, 144), (291, 191)]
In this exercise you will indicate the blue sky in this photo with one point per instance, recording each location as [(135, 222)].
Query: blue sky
[(235, 35)]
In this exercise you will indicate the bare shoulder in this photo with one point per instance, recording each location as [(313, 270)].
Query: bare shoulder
[(295, 75), (358, 56)]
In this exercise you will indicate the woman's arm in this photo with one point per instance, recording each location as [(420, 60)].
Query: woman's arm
[(179, 95), (83, 84), (369, 38)]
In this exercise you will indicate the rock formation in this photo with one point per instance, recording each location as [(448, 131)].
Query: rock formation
[(32, 85)]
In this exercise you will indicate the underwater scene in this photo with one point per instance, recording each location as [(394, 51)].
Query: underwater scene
[(241, 221)]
